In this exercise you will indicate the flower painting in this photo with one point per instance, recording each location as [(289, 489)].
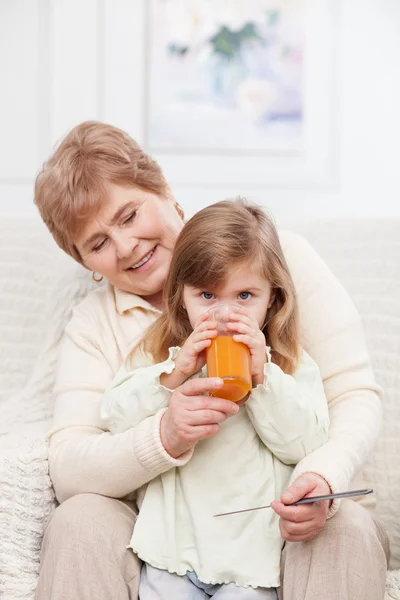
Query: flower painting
[(226, 76)]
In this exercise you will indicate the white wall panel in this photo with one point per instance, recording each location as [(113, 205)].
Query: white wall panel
[(75, 72), (124, 65), (19, 66), (16, 198), (64, 61)]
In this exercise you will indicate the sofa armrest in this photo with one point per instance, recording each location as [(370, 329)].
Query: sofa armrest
[(26, 502)]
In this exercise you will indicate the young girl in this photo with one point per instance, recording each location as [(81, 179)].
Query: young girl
[(228, 253)]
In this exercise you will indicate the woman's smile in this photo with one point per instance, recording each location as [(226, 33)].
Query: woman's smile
[(145, 263)]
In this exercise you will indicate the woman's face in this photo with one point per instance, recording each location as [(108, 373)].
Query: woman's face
[(131, 239)]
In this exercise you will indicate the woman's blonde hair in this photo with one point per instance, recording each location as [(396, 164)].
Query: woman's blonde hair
[(210, 244), (71, 185)]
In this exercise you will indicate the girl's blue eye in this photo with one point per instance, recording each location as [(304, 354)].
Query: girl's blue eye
[(244, 295), (207, 295)]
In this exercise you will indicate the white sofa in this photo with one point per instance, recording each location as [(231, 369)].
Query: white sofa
[(38, 288)]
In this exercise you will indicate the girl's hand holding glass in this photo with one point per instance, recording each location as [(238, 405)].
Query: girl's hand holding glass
[(249, 333), (191, 357)]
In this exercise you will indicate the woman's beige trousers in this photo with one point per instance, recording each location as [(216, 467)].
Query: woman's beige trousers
[(84, 555)]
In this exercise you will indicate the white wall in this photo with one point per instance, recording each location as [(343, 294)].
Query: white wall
[(64, 61)]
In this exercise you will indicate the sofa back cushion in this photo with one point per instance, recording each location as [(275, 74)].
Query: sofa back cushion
[(40, 285), (27, 268), (365, 257)]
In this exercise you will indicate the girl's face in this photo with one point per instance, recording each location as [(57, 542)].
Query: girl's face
[(243, 286), (131, 239)]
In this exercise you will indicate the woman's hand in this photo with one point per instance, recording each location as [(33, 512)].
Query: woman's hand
[(192, 417), (249, 333), (191, 357), (302, 523)]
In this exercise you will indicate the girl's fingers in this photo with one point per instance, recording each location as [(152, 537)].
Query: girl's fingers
[(204, 341), (247, 340), (199, 336), (242, 328), (201, 345), (204, 317), (204, 328), (209, 325), (204, 321), (244, 318), (245, 322), (241, 318)]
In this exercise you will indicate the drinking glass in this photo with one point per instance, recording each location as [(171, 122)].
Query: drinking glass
[(228, 359)]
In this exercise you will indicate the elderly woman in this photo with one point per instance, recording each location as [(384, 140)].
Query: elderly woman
[(108, 205)]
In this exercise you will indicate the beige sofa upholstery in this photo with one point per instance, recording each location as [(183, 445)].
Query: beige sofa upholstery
[(39, 286)]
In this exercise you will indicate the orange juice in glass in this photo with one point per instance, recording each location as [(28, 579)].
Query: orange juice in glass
[(228, 359)]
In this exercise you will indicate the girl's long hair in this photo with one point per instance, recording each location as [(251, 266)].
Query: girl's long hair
[(218, 237)]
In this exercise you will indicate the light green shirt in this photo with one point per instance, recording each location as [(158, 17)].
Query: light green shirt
[(248, 463)]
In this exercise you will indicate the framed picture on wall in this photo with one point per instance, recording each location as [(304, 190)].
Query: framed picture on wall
[(226, 76), (227, 91)]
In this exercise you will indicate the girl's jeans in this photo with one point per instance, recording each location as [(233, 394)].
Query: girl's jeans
[(162, 585)]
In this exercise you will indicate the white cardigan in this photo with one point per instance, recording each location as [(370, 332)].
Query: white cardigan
[(108, 323)]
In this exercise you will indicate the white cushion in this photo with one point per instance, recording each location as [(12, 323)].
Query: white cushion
[(365, 256), (26, 501), (40, 290), (27, 257)]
